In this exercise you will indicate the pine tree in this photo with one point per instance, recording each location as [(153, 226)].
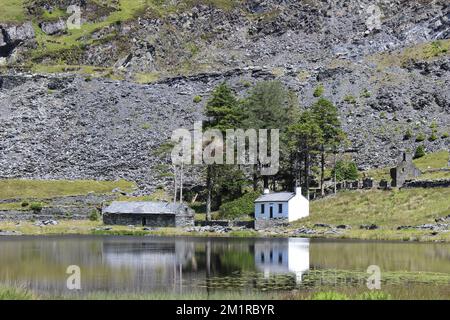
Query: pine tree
[(326, 115)]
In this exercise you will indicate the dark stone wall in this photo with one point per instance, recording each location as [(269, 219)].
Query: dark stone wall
[(226, 223), (149, 220), (443, 183)]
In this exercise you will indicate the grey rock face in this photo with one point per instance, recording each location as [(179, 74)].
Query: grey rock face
[(54, 27), (68, 128), (12, 36)]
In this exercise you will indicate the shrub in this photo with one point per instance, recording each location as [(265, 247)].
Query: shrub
[(242, 206), (197, 99), (24, 204), (318, 92), (94, 215), (444, 135), (433, 137), (350, 99), (420, 137), (365, 93), (420, 152), (36, 206), (408, 135)]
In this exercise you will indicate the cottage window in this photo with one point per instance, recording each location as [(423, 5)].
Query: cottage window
[(280, 258), (262, 208), (280, 208)]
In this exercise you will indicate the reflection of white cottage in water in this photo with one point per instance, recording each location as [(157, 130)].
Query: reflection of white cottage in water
[(282, 256)]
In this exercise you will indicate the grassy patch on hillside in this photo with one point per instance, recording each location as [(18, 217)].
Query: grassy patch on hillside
[(149, 77), (16, 188), (12, 11), (419, 52), (436, 160), (435, 175), (158, 195), (79, 69), (383, 208)]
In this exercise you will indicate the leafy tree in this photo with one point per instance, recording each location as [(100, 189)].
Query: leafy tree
[(269, 106), (345, 171)]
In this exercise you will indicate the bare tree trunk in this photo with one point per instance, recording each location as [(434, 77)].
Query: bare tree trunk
[(181, 183), (209, 192), (307, 174), (174, 184), (255, 178), (334, 178), (322, 172)]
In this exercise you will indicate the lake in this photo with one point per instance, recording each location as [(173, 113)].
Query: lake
[(187, 264)]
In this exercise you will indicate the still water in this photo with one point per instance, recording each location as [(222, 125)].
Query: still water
[(180, 265)]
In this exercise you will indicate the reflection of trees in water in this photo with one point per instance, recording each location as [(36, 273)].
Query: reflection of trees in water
[(390, 256)]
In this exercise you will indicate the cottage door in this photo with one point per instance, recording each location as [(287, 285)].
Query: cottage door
[(271, 211)]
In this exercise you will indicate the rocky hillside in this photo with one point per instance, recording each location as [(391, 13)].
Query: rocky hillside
[(95, 102)]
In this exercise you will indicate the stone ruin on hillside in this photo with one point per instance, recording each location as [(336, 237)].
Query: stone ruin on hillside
[(405, 170)]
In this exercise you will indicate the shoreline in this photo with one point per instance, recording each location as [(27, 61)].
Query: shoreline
[(85, 227)]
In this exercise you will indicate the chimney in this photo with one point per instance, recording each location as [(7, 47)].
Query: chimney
[(266, 191), (298, 191)]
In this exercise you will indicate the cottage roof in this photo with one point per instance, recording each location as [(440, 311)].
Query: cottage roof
[(276, 197), (140, 207)]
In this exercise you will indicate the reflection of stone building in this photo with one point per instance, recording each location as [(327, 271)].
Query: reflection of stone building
[(282, 256), (405, 170)]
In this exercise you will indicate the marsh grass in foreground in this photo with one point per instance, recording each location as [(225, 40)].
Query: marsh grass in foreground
[(399, 292)]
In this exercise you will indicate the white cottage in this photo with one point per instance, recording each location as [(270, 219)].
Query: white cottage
[(281, 205)]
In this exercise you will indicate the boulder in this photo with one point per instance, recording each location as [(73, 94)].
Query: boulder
[(368, 226), (54, 27)]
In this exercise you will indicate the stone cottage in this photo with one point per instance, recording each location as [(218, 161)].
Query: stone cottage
[(405, 170), (148, 213)]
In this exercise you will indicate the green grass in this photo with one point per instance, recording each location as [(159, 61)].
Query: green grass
[(78, 69), (24, 189), (149, 77), (388, 209), (419, 52), (15, 293), (379, 174), (54, 15), (435, 160), (158, 195), (12, 11), (13, 206), (435, 175)]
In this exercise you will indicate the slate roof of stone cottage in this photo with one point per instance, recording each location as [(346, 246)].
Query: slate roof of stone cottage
[(141, 207), (276, 197)]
